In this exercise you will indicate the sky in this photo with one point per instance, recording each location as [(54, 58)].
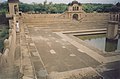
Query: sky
[(68, 1)]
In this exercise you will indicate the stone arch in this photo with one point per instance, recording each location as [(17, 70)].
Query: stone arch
[(73, 8), (114, 17), (75, 16), (77, 8), (117, 17), (16, 8)]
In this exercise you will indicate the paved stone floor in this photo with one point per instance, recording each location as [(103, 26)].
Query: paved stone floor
[(56, 56), (52, 47)]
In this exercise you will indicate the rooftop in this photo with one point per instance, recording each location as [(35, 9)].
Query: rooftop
[(115, 8), (13, 1), (74, 2)]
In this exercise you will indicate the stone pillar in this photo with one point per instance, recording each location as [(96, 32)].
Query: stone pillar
[(111, 45), (112, 30), (13, 8)]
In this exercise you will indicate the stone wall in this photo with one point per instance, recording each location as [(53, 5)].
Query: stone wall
[(93, 19), (86, 16), (7, 58)]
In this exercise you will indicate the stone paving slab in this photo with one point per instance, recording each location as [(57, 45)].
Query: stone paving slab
[(84, 73), (113, 58), (83, 31), (90, 33), (57, 54), (110, 57), (38, 66), (27, 68), (88, 51), (26, 65)]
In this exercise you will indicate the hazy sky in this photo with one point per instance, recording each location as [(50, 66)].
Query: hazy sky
[(67, 1)]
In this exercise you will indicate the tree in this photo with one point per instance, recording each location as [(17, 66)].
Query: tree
[(26, 7), (96, 7), (55, 8), (3, 8)]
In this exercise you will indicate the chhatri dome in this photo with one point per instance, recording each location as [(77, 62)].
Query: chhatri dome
[(74, 2), (116, 8), (13, 1), (118, 4)]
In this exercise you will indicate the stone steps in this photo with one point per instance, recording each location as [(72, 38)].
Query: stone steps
[(43, 21), (91, 20), (68, 24)]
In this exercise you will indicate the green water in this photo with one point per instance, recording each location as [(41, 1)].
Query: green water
[(100, 42)]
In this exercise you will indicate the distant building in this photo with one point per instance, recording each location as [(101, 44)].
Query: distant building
[(74, 11), (13, 1), (114, 22), (75, 6), (115, 13)]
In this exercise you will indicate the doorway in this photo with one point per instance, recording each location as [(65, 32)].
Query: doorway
[(75, 16)]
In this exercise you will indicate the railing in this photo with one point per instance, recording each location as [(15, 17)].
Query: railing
[(7, 58)]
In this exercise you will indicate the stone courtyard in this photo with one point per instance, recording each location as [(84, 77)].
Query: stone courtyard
[(62, 56), (46, 48)]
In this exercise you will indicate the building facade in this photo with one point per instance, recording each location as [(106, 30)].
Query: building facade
[(74, 11), (13, 6), (115, 13), (114, 22)]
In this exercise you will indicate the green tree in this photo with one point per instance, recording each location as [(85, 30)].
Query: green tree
[(3, 8), (26, 7)]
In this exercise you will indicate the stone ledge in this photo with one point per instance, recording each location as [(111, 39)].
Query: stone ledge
[(76, 74)]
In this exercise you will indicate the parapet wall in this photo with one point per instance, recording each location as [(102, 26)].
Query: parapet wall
[(94, 16), (40, 15), (7, 58)]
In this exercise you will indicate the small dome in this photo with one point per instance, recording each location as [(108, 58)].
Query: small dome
[(74, 2), (115, 8), (118, 4), (13, 1)]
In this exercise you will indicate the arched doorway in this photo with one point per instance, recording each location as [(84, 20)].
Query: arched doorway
[(15, 8), (75, 16)]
